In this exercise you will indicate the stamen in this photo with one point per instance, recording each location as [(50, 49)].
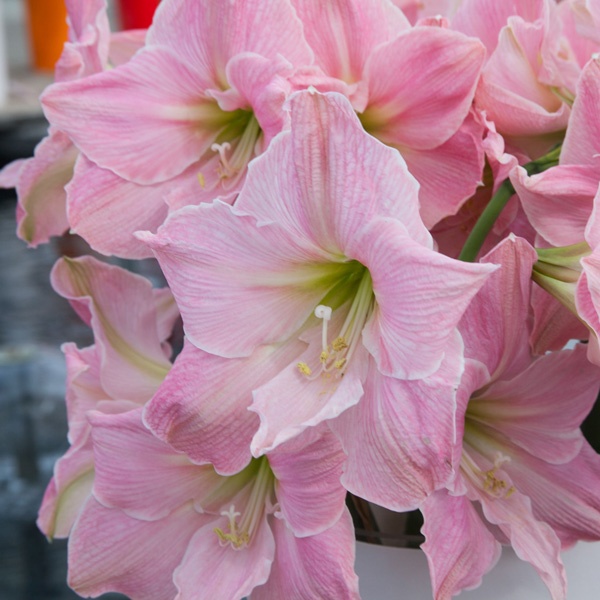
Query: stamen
[(339, 344), (221, 149), (201, 180), (304, 369), (324, 356)]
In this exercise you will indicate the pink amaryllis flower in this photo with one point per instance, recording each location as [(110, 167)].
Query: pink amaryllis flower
[(120, 372), (159, 527), (525, 474), (422, 110), (324, 243), (208, 85)]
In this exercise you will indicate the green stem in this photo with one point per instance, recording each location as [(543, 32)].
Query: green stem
[(498, 202)]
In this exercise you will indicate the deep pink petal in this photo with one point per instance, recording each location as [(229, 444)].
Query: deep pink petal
[(112, 552), (582, 141), (201, 408), (105, 210), (409, 281), (308, 489), (312, 568), (9, 175), (123, 112), (532, 408), (210, 570), (120, 308), (459, 547), (154, 480), (400, 436), (448, 174), (567, 497), (343, 34), (41, 189), (501, 310), (425, 102), (558, 202)]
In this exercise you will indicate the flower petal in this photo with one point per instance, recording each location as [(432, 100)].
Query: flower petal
[(459, 547), (410, 327), (201, 408), (112, 552), (319, 566), (120, 308)]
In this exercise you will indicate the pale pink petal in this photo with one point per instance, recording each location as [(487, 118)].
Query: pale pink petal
[(501, 309), (448, 174), (119, 306), (592, 231), (9, 175), (291, 401), (311, 568), (399, 437), (587, 18), (41, 189), (308, 489), (123, 112), (124, 44), (343, 34), (510, 91), (582, 141), (154, 480), (484, 19), (567, 497), (587, 295), (459, 547), (68, 489), (409, 282), (84, 388), (201, 408), (532, 540), (105, 210), (425, 102), (167, 312), (210, 570), (112, 552), (581, 47), (558, 202), (207, 35), (239, 285), (526, 407), (313, 181)]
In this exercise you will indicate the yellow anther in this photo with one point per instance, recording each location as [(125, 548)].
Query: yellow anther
[(511, 491), (201, 180), (339, 344), (304, 368), (324, 356), (236, 540), (339, 364)]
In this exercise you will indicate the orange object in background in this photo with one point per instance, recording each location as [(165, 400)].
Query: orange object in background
[(47, 31)]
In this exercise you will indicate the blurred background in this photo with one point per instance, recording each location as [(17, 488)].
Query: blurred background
[(34, 321)]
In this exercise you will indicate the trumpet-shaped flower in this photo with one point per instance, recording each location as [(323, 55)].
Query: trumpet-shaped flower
[(525, 474), (324, 243), (278, 523), (120, 372)]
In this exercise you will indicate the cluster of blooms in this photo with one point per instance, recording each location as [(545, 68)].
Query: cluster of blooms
[(319, 181)]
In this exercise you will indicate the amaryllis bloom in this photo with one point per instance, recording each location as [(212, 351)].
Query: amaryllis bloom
[(325, 244), (422, 109), (525, 474), (120, 372), (159, 527), (208, 85)]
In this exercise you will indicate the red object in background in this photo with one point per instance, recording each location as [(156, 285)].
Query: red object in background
[(137, 14)]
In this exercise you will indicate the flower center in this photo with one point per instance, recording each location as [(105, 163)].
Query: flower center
[(335, 357), (491, 483), (241, 531), (233, 162)]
